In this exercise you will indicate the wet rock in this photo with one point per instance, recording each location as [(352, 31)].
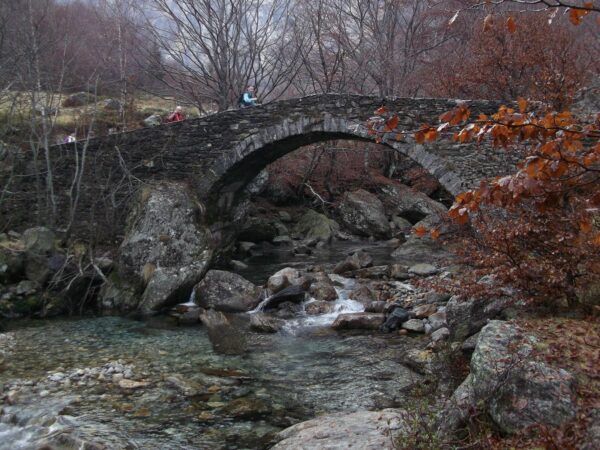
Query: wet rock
[(245, 247), (313, 225), (365, 430), (414, 325), (375, 307), (323, 289), (363, 214), (466, 317), (132, 384), (186, 388), (302, 249), (258, 229), (287, 310), (282, 240), (358, 260), (374, 273), (436, 297), (292, 275), (39, 240), (362, 294), (423, 270), (238, 265), (264, 323), (318, 307), (358, 321), (399, 272), (224, 337), (277, 283), (401, 223), (187, 314), (227, 292), (395, 319), (165, 251), (293, 294), (250, 408)]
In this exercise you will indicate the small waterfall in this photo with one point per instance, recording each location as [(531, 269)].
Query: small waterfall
[(192, 300), (343, 304)]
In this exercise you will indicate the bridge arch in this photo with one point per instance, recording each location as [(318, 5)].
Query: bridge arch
[(238, 166)]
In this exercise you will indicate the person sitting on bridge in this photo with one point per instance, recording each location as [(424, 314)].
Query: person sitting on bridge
[(176, 116), (247, 99)]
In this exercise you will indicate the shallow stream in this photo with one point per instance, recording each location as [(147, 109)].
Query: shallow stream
[(151, 385)]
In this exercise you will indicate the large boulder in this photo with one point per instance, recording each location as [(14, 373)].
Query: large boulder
[(166, 250), (363, 214), (365, 430), (315, 226), (408, 203), (227, 292), (39, 240), (514, 390)]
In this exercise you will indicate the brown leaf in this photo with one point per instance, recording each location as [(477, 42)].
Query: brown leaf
[(420, 231), (487, 23), (511, 25), (522, 104), (391, 124), (381, 110)]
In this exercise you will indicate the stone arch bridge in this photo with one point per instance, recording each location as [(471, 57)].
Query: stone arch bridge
[(219, 154)]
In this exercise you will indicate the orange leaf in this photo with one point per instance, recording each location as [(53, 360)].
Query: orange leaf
[(511, 25), (419, 137), (596, 240), (399, 137), (431, 135), (435, 234), (575, 15), (585, 226), (420, 231), (391, 124), (381, 110), (522, 104)]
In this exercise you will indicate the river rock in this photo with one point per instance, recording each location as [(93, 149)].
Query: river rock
[(224, 337), (313, 225), (277, 282), (166, 250), (358, 321), (356, 261), (227, 292), (374, 273), (293, 294), (440, 335), (466, 317), (364, 430), (424, 311), (39, 240), (249, 408), (423, 270), (401, 223), (414, 325), (398, 272), (292, 275), (395, 319), (362, 213), (323, 289), (318, 307), (362, 294), (375, 307), (264, 323), (257, 229), (437, 320)]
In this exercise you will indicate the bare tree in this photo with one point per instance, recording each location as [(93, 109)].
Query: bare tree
[(211, 49)]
